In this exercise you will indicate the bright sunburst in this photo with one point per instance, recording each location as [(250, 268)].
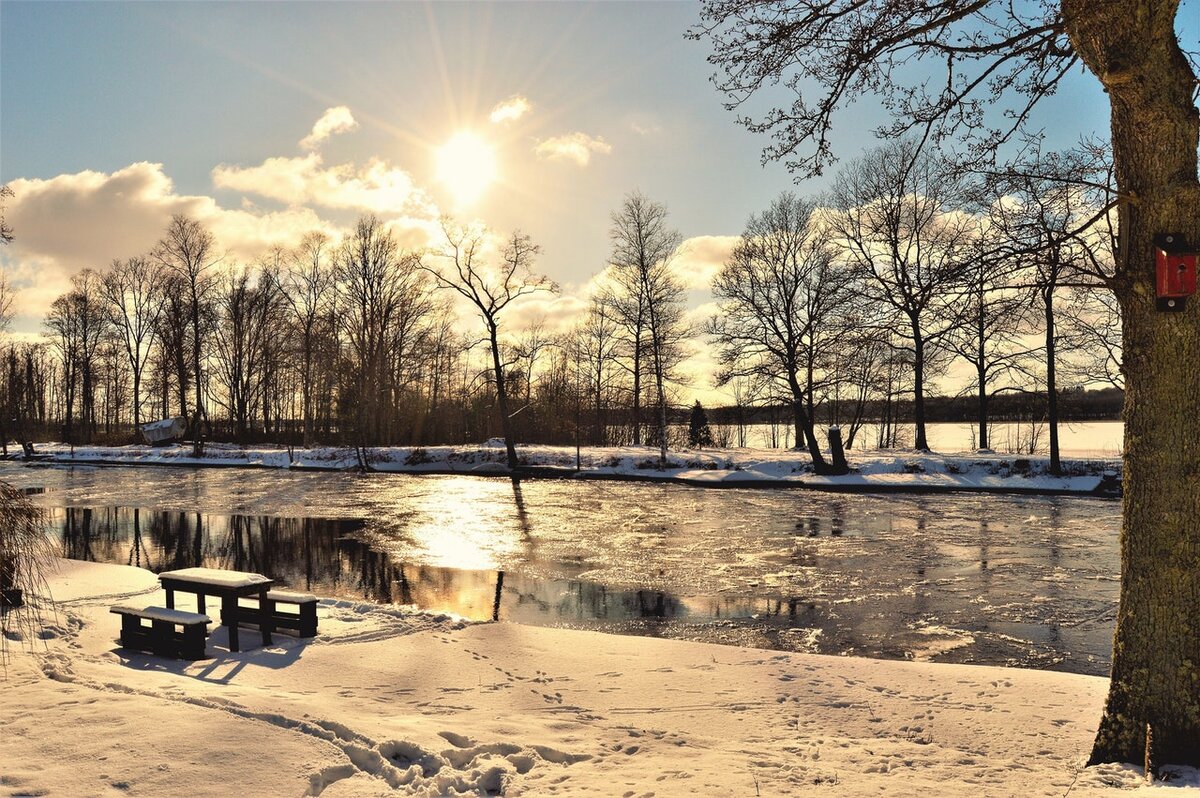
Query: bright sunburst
[(466, 165)]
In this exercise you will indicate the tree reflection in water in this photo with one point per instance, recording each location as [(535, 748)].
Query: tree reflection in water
[(955, 588), (325, 556)]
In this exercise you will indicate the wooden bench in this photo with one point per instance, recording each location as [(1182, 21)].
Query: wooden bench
[(161, 636), (303, 621)]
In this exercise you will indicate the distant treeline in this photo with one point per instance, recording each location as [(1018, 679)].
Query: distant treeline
[(1075, 404)]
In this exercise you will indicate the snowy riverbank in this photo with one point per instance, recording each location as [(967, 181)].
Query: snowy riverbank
[(388, 702), (872, 470)]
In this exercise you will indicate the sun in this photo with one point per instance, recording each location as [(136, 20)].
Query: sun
[(466, 165)]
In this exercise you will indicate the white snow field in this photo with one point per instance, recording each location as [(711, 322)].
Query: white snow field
[(388, 701), (872, 469)]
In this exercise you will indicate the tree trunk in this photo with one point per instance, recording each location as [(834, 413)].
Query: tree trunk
[(1051, 381), (502, 399), (981, 371), (808, 387), (921, 443), (662, 406), (201, 415), (637, 388), (1132, 48), (306, 390), (137, 404), (804, 427), (981, 376)]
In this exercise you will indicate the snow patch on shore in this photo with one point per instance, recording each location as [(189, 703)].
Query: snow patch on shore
[(871, 470)]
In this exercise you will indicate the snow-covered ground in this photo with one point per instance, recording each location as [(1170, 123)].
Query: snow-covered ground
[(872, 470), (388, 702)]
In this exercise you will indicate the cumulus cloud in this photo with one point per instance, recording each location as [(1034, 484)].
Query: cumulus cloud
[(510, 110), (73, 221), (556, 313), (304, 180), (700, 258), (89, 218), (574, 147), (333, 121)]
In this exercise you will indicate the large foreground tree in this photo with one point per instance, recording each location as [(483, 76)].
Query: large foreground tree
[(995, 61)]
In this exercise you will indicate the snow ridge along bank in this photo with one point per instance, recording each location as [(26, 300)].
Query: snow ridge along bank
[(872, 471)]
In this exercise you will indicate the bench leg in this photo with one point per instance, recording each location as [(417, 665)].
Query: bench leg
[(266, 616), (193, 642), (229, 617), (308, 620), (162, 643), (130, 627)]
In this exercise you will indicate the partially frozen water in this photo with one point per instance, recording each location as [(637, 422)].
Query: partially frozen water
[(1026, 581)]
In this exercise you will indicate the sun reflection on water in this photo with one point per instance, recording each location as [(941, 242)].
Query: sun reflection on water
[(463, 522)]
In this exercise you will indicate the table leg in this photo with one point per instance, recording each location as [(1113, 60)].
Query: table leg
[(229, 616), (200, 603), (266, 612), (170, 599)]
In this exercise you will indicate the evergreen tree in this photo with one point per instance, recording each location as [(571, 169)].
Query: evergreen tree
[(699, 435)]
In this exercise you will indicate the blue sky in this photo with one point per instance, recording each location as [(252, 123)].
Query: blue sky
[(100, 86), (88, 90)]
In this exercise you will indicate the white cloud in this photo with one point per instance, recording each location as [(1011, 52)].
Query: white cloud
[(73, 221), (333, 121), (700, 258), (510, 110), (376, 186), (575, 147), (89, 218)]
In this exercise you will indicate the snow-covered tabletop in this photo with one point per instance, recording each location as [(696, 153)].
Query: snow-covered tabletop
[(217, 577)]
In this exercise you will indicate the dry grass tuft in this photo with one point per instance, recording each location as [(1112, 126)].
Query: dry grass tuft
[(25, 558)]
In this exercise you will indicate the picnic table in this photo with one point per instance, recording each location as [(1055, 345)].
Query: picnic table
[(229, 586)]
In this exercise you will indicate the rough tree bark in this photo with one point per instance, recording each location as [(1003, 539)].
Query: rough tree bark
[(1131, 46)]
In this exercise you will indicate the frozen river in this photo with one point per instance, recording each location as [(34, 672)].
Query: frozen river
[(1025, 581)]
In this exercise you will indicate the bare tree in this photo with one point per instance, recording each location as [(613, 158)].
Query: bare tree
[(172, 356), (993, 318), (64, 324), (896, 218), (242, 325), (596, 345), (79, 323), (188, 250), (1004, 59), (859, 357), (648, 298), (526, 349), (777, 295), (133, 295), (381, 301), (464, 269), (308, 291), (1040, 225)]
